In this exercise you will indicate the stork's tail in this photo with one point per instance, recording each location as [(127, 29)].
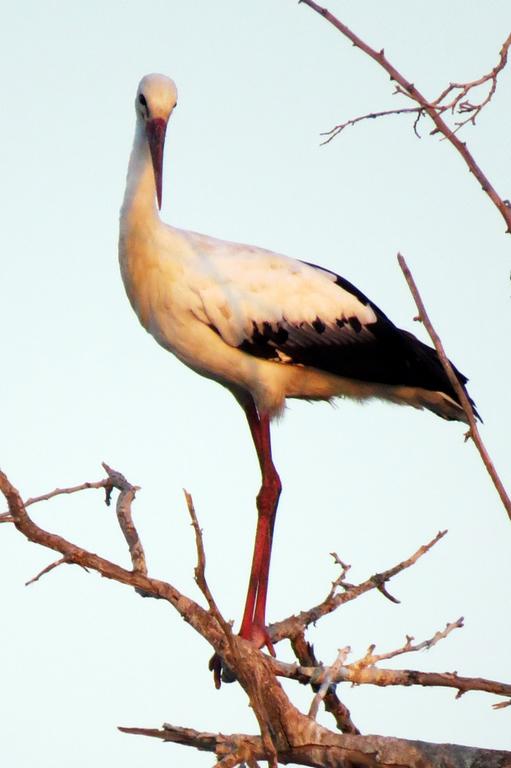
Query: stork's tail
[(438, 394), (436, 402)]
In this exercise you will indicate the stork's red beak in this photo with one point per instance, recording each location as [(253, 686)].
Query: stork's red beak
[(155, 132)]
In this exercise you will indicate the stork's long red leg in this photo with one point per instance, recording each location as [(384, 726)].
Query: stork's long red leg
[(253, 625)]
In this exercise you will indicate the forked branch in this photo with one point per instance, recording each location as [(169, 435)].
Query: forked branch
[(293, 626), (434, 109)]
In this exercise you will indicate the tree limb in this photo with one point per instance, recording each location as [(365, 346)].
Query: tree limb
[(430, 108), (458, 388), (287, 735), (295, 625), (337, 750)]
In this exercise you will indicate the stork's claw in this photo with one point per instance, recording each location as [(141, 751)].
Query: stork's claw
[(221, 672), (259, 636)]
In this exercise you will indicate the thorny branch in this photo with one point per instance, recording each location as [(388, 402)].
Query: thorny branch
[(460, 391), (434, 109)]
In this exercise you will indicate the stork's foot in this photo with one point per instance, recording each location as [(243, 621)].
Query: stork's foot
[(259, 636)]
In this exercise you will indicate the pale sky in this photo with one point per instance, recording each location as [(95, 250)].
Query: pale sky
[(83, 383)]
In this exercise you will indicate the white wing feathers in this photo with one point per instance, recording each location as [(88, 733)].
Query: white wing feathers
[(238, 289)]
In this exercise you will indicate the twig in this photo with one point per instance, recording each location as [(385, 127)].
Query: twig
[(294, 625), (457, 103), (106, 483), (46, 570), (340, 581), (466, 106), (304, 652), (430, 108), (371, 659), (337, 129), (221, 672), (200, 570), (502, 704), (460, 391), (127, 493), (330, 674)]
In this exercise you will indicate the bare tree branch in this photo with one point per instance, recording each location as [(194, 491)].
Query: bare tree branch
[(386, 677), (46, 570), (191, 611), (126, 496), (286, 734), (304, 652), (220, 672), (460, 103), (295, 625), (329, 677), (428, 107), (371, 658), (458, 388), (364, 671), (337, 129), (105, 483), (336, 750)]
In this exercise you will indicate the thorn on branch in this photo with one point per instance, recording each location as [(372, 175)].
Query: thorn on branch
[(379, 582)]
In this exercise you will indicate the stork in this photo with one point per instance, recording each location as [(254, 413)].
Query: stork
[(265, 326)]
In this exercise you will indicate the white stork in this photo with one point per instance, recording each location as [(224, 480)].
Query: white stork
[(265, 326)]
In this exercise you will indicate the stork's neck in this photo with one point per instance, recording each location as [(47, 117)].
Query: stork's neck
[(140, 194)]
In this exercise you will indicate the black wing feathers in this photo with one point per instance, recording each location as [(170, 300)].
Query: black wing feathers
[(378, 352)]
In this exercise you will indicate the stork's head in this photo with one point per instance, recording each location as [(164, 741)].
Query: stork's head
[(155, 101)]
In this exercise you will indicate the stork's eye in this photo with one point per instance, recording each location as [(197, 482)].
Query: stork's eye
[(142, 100)]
